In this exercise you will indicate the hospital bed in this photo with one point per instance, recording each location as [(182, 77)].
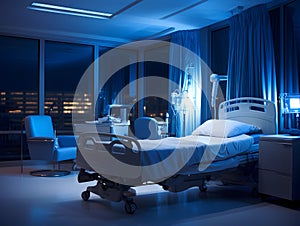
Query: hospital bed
[(217, 149)]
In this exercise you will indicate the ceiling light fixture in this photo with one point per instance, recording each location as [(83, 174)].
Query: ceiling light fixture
[(69, 11)]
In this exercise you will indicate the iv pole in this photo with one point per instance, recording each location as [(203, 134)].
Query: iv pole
[(215, 79)]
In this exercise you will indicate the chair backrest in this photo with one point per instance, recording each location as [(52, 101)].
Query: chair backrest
[(146, 128), (39, 126)]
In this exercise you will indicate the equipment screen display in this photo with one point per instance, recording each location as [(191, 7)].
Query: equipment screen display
[(294, 103)]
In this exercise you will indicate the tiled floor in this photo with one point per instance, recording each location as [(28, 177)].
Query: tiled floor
[(28, 200)]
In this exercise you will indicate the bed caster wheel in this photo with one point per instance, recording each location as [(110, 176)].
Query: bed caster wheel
[(203, 188), (165, 187), (85, 195), (130, 207)]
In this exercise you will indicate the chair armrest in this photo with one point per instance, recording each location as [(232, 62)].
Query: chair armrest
[(40, 140), (67, 140)]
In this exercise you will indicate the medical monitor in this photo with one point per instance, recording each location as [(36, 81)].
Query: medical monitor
[(294, 104), (290, 103)]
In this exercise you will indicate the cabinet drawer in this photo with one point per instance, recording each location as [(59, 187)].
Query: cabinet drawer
[(274, 184), (276, 156)]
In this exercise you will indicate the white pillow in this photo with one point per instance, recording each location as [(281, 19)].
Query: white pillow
[(224, 128)]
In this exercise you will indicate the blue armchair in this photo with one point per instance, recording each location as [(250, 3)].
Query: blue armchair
[(44, 145), (146, 128)]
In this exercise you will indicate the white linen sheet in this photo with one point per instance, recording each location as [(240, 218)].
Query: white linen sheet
[(163, 158)]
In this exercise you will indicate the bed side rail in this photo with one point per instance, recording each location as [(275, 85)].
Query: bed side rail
[(123, 148)]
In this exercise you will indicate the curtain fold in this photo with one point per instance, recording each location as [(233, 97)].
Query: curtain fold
[(185, 78), (251, 63), (289, 81)]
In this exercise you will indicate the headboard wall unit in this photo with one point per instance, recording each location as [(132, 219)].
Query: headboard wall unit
[(252, 110)]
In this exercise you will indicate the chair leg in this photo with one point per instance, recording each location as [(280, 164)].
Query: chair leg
[(56, 165)]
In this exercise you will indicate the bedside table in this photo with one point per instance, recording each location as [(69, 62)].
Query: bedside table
[(279, 166)]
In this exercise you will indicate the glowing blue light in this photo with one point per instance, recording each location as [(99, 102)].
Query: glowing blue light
[(69, 11), (294, 103)]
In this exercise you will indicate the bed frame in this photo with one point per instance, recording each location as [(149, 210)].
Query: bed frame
[(255, 111)]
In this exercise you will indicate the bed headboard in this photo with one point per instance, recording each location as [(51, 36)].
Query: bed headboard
[(255, 111)]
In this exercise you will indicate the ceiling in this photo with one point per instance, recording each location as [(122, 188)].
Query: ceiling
[(132, 20)]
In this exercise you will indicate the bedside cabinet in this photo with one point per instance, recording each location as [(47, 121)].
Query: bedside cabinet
[(279, 166)]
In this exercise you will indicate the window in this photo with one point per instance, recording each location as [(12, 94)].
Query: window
[(219, 58), (117, 76), (156, 106), (19, 69), (220, 50), (65, 63)]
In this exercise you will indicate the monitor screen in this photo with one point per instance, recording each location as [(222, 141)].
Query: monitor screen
[(119, 111), (294, 103)]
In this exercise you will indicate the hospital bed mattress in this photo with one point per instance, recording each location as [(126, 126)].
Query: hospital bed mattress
[(157, 160)]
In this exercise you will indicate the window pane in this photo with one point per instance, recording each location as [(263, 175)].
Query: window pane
[(220, 50), (19, 72), (156, 106), (119, 87), (219, 58), (65, 63)]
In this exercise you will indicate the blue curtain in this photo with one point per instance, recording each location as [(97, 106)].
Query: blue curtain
[(289, 80), (185, 76), (251, 63)]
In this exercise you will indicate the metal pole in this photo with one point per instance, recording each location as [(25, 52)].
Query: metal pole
[(21, 147)]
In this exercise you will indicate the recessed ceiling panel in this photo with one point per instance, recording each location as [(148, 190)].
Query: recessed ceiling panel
[(110, 6)]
